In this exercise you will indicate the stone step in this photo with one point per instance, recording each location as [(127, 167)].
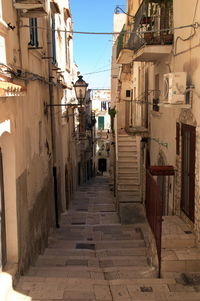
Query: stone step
[(161, 293), (126, 193), (181, 265), (137, 282), (178, 241), (128, 187), (130, 144), (127, 178), (129, 153), (127, 148), (102, 262), (124, 137), (97, 245), (99, 253), (181, 260), (133, 199), (129, 274), (144, 281), (127, 172), (107, 273), (129, 165), (128, 182), (125, 168), (128, 159)]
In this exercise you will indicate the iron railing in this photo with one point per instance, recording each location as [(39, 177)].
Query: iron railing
[(154, 209), (152, 24)]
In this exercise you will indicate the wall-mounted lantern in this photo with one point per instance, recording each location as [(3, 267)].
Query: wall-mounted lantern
[(80, 88)]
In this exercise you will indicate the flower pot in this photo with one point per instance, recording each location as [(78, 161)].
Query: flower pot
[(167, 38), (148, 37)]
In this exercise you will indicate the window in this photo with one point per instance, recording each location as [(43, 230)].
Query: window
[(33, 32), (155, 104), (156, 94), (103, 106), (53, 40), (128, 93)]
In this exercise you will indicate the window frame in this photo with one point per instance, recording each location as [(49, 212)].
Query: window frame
[(34, 41)]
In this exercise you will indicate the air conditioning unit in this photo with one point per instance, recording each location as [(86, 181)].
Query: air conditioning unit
[(174, 87)]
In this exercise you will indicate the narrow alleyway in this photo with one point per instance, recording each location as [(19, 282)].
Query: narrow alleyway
[(93, 257)]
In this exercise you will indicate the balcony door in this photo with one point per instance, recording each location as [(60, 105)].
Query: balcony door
[(188, 170)]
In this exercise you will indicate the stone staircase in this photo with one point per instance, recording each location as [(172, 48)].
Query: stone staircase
[(92, 257), (128, 177), (179, 252)]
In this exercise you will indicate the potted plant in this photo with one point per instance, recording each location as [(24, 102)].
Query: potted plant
[(148, 35)]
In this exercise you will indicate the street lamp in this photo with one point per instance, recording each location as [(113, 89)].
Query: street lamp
[(80, 87)]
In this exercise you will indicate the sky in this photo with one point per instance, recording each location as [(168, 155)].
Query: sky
[(92, 53)]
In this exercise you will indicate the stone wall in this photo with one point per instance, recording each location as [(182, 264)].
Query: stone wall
[(33, 223)]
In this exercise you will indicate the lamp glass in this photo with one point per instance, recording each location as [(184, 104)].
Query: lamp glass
[(80, 87)]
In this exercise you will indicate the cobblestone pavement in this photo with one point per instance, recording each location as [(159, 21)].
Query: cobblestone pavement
[(92, 257)]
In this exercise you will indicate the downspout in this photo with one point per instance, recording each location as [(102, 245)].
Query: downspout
[(53, 140), (19, 39)]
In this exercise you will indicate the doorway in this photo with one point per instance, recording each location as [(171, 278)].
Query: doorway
[(3, 250), (102, 165), (188, 133)]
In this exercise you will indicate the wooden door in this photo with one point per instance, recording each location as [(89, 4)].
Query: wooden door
[(3, 255), (188, 170)]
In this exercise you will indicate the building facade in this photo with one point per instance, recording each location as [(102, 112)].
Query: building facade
[(101, 108), (39, 152), (159, 65)]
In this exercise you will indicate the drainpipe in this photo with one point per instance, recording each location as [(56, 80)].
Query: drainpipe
[(53, 140), (19, 39)]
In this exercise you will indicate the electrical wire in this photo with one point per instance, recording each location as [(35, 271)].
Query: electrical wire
[(191, 34), (193, 25), (101, 71), (27, 76)]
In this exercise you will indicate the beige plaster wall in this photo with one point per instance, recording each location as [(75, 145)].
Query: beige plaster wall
[(184, 57), (27, 150)]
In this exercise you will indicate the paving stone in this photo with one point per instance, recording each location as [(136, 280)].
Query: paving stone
[(120, 293), (79, 295), (102, 292), (92, 257)]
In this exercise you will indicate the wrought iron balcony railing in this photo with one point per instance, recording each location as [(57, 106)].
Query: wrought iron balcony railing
[(152, 24)]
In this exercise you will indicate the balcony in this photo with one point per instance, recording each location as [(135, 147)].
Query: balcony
[(124, 55), (31, 8), (151, 38)]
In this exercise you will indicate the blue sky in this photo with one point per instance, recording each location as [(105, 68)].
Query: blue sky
[(93, 52)]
